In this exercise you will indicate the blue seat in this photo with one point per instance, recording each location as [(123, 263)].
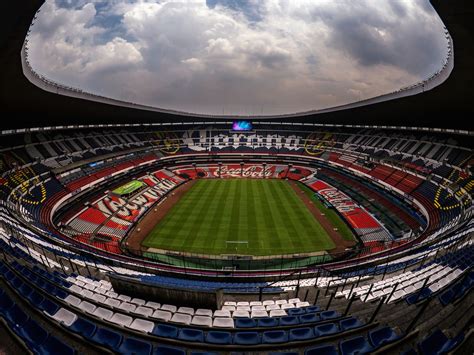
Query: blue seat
[(168, 350), (135, 346), (350, 323), (5, 303), (289, 320), (31, 333), (16, 316), (246, 338), (165, 331), (35, 298), (48, 306), (309, 318), (267, 322), (25, 290), (295, 311), (437, 343), (245, 323), (274, 337), (310, 309), (447, 297), (107, 338), (54, 346), (325, 315), (382, 336), (325, 329), (301, 334), (357, 345), (217, 337), (283, 353), (188, 334), (83, 327), (322, 350), (59, 293)]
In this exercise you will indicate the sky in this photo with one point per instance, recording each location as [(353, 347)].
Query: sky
[(237, 57)]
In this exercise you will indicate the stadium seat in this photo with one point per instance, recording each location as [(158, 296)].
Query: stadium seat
[(247, 338), (350, 323), (299, 334), (194, 335), (274, 337), (135, 346), (356, 345), (53, 346), (168, 350), (245, 323), (107, 338), (382, 336), (165, 331), (83, 327), (438, 343), (267, 322), (218, 337), (288, 320), (322, 350), (325, 329)]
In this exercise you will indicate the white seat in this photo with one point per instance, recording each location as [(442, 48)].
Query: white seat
[(76, 289), (302, 304), (142, 325), (181, 318), (162, 315), (121, 319), (243, 308), (255, 303), (127, 307), (99, 298), (87, 307), (272, 307), (112, 302), (124, 298), (268, 303), (112, 294), (87, 294), (223, 323), (259, 314), (168, 307), (230, 303), (203, 312), (228, 308), (258, 308), (240, 314), (138, 301), (294, 300), (281, 302), (143, 311), (243, 304), (202, 320), (73, 300), (103, 313), (277, 313), (221, 313), (153, 305), (186, 310), (65, 317), (287, 306)]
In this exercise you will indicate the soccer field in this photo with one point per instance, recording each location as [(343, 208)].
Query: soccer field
[(240, 216)]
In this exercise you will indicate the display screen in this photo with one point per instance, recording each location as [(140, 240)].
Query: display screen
[(242, 126)]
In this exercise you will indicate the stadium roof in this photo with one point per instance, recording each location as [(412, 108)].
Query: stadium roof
[(28, 106)]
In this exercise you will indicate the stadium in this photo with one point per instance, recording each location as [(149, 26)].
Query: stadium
[(317, 232)]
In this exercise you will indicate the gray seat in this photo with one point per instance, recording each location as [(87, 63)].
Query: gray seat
[(186, 310), (103, 313), (112, 302), (181, 318), (154, 305), (203, 312), (121, 319), (168, 307), (202, 321), (222, 313), (143, 311), (87, 307), (162, 315), (138, 301), (223, 323), (127, 307), (142, 325), (73, 300), (65, 317)]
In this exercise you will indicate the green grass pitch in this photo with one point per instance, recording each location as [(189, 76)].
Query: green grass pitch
[(267, 214)]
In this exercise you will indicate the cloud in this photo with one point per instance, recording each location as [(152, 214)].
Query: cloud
[(238, 57)]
